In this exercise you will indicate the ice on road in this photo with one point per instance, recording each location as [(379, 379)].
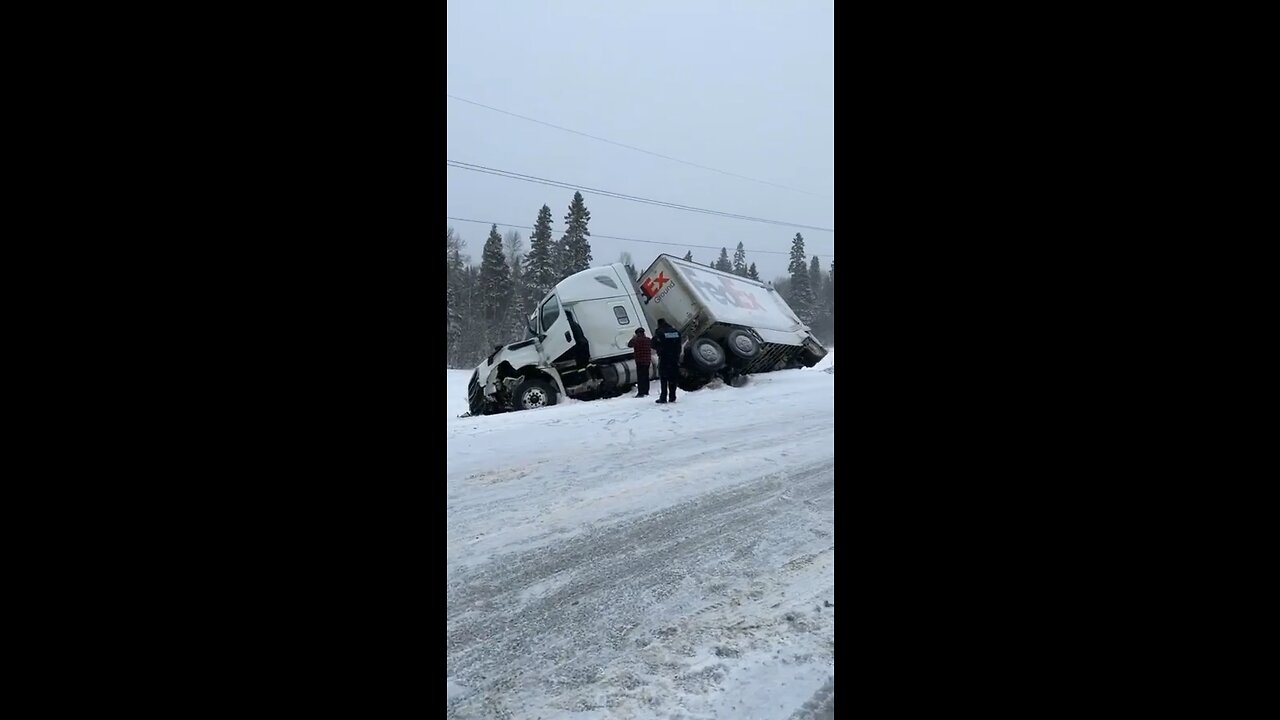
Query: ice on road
[(623, 559)]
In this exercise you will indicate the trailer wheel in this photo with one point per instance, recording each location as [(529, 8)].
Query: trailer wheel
[(533, 393), (809, 359), (742, 345), (706, 355)]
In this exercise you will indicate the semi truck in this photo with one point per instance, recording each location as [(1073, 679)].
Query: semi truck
[(576, 342)]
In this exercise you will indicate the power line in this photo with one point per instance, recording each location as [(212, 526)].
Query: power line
[(627, 239), (610, 193), (622, 196), (632, 147)]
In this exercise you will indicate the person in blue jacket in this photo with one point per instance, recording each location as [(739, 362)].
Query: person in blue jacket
[(666, 343)]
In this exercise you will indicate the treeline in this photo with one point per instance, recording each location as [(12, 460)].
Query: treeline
[(489, 303), (810, 291)]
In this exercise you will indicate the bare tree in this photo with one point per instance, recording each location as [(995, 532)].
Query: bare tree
[(514, 247)]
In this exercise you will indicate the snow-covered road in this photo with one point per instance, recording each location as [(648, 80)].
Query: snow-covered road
[(622, 559)]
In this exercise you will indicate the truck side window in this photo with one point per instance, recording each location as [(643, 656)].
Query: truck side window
[(621, 313), (550, 312)]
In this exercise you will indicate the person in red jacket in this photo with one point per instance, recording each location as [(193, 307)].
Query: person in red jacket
[(644, 357)]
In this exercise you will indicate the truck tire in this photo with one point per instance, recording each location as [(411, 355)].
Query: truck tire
[(706, 355), (809, 359), (742, 345), (534, 393)]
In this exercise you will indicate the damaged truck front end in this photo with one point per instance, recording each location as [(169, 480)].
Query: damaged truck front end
[(512, 378)]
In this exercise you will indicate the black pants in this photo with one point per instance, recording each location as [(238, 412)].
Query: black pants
[(668, 388), (642, 384)]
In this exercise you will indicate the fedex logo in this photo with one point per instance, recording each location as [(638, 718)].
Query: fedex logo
[(651, 286)]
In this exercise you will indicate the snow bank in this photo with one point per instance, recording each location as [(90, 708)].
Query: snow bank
[(827, 363), (455, 389)]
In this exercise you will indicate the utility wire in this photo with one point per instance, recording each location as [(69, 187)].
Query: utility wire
[(627, 239), (632, 147), (622, 196), (606, 193)]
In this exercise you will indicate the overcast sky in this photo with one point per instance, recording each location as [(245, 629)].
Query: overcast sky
[(744, 87)]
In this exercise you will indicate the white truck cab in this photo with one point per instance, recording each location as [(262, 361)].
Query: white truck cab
[(556, 359)]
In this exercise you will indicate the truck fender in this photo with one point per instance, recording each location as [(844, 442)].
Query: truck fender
[(555, 378), (491, 383)]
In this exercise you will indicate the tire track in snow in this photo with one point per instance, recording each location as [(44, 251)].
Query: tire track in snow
[(598, 592)]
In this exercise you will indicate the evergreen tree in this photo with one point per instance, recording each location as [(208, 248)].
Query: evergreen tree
[(474, 343), (797, 263), (495, 285), (455, 268), (830, 297), (575, 249), (740, 261), (821, 325), (752, 272), (539, 265), (801, 299), (831, 289), (515, 318), (722, 263)]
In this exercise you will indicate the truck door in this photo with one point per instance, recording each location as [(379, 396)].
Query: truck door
[(557, 343)]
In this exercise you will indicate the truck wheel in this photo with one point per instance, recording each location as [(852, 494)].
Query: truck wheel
[(706, 355), (809, 359), (534, 393), (742, 345)]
